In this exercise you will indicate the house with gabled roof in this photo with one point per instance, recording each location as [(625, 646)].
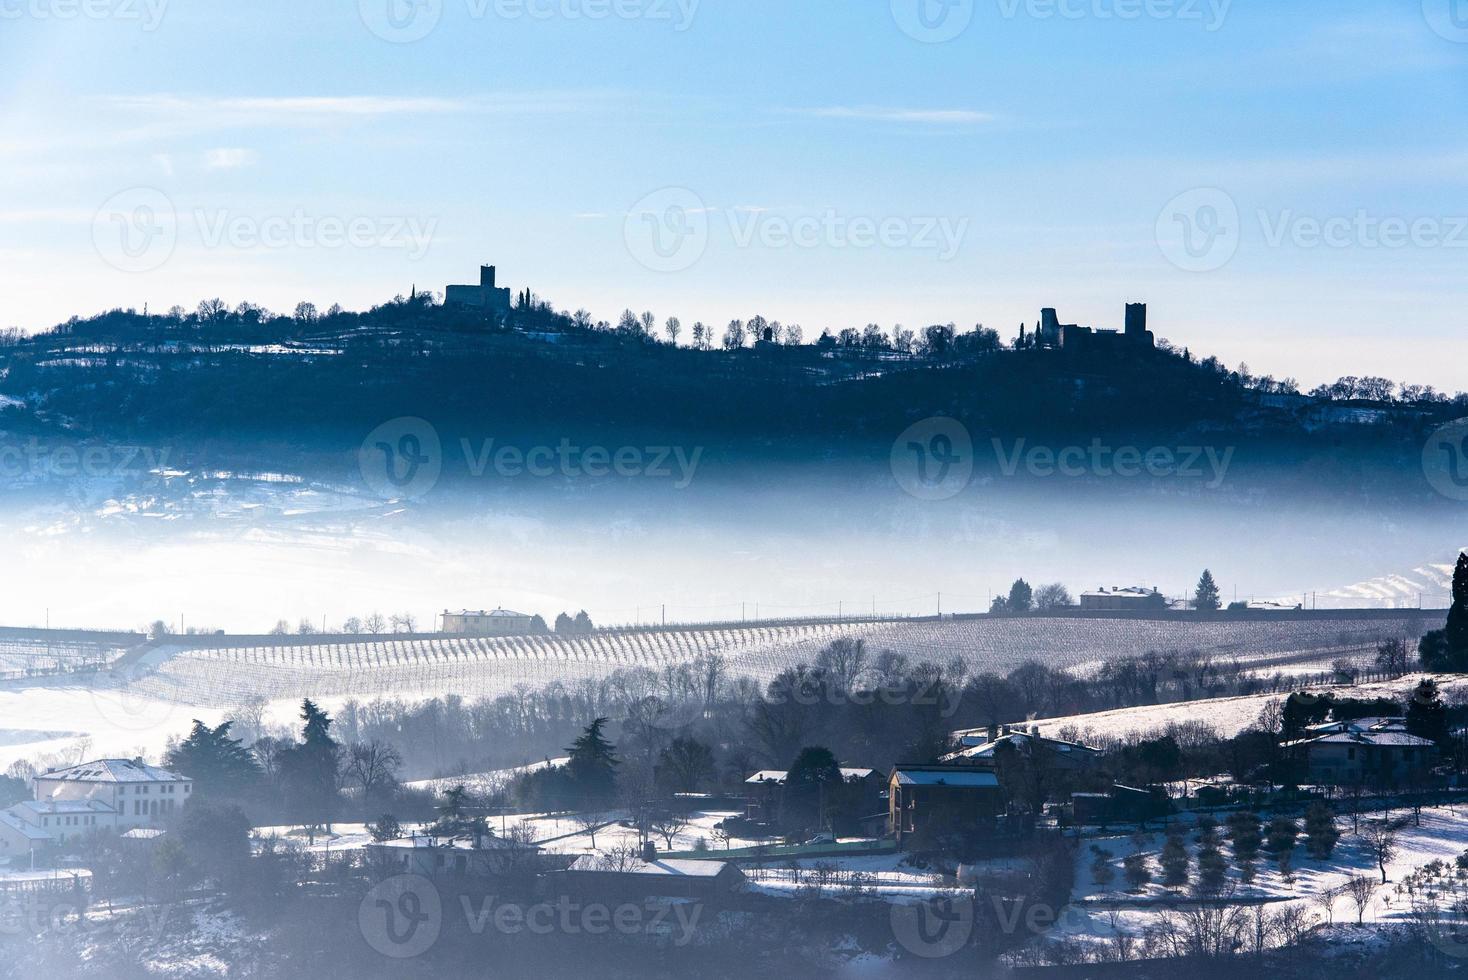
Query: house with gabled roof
[(1376, 751), (142, 795)]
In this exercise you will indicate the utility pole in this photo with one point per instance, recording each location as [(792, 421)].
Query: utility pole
[(940, 605)]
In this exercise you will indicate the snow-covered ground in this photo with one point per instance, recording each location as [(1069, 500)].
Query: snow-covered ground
[(1097, 912), (1228, 716), (483, 783)]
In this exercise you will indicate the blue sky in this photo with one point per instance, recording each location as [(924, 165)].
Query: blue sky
[(1283, 183)]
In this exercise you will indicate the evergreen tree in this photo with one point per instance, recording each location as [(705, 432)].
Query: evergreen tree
[(811, 787), (593, 765), (1103, 872), (1134, 869), (1174, 859), (309, 769), (1320, 831), (218, 765), (1457, 628), (1427, 716), (1280, 838), (1447, 649), (1245, 836), (1206, 597), (1021, 597), (583, 622), (1212, 868)]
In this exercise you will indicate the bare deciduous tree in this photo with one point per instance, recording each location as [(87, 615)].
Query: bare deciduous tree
[(1359, 890)]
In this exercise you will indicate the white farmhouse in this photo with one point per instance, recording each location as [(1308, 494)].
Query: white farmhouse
[(142, 795), (108, 794)]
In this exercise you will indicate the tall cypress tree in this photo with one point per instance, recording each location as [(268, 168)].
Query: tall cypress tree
[(1457, 628), (1447, 649)]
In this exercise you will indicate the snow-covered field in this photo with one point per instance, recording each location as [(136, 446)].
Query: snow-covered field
[(1228, 716), (1097, 912)]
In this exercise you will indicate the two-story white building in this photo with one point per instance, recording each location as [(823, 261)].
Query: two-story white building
[(108, 794), (142, 795)]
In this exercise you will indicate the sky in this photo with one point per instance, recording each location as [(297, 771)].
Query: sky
[(1282, 183)]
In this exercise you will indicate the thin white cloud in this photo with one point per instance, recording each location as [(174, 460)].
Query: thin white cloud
[(230, 158), (941, 117)]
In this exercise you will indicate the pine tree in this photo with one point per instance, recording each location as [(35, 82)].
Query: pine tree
[(1103, 872), (309, 770), (218, 765), (1244, 834), (1281, 836), (1320, 831), (1021, 597), (1206, 597), (1134, 868), (1174, 860), (1212, 868), (593, 765), (1427, 716)]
